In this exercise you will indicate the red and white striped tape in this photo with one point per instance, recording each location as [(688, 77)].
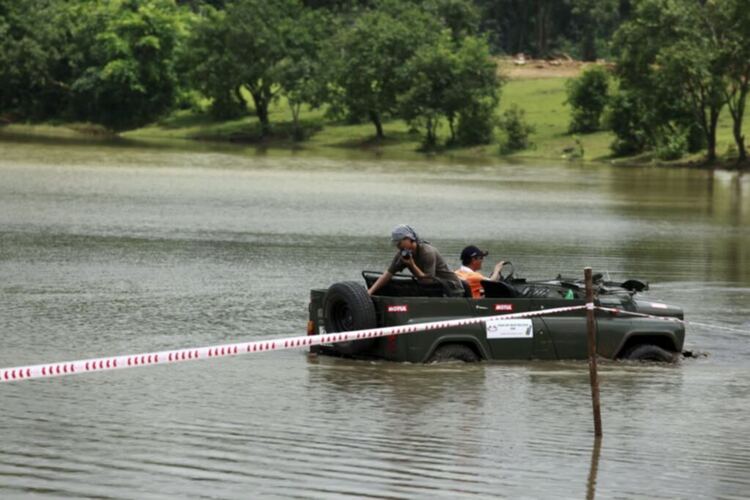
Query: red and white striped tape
[(50, 370), (616, 311)]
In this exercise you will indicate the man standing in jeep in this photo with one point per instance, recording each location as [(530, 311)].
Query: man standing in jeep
[(422, 259)]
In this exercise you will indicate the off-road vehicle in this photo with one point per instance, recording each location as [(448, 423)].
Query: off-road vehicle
[(346, 306)]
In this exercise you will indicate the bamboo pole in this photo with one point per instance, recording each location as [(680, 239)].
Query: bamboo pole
[(591, 330)]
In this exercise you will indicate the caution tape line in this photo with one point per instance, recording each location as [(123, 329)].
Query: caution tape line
[(61, 369), (616, 311), (670, 318)]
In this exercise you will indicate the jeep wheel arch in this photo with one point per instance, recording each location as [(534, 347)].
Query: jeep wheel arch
[(465, 341), (662, 341)]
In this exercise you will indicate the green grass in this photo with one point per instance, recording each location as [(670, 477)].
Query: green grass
[(542, 99), (544, 103)]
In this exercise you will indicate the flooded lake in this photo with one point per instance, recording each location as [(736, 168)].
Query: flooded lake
[(112, 249)]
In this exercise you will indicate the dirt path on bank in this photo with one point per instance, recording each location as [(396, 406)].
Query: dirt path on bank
[(517, 68)]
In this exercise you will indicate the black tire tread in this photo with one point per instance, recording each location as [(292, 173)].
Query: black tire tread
[(363, 314), (454, 352), (650, 352)]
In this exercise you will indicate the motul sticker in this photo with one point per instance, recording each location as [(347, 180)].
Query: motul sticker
[(504, 307), (657, 305), (398, 309)]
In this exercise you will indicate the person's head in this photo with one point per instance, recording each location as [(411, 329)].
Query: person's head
[(404, 237), (472, 257)]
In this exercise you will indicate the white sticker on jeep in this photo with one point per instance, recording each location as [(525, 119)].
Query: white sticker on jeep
[(509, 329), (657, 305)]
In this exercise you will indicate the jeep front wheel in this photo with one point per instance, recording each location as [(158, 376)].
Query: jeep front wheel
[(650, 352), (453, 352)]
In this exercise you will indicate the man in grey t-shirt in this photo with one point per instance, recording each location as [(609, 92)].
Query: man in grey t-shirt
[(422, 259)]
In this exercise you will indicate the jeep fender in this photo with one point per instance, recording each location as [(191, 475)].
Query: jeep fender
[(664, 338), (458, 339)]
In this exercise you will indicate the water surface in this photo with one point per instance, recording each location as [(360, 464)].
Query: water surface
[(118, 248)]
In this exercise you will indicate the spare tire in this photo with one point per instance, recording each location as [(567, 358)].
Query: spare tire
[(347, 306)]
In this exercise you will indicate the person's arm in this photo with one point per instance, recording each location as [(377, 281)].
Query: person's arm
[(496, 272), (429, 265), (380, 282)]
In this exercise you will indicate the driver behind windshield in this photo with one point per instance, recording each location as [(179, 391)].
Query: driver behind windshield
[(472, 258), (422, 259)]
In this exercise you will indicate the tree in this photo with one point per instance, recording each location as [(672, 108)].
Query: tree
[(34, 61), (587, 96), (668, 58), (594, 20), (125, 64), (476, 93), (366, 60), (431, 94), (244, 46), (460, 16), (213, 69), (515, 129), (301, 71), (734, 36), (455, 80)]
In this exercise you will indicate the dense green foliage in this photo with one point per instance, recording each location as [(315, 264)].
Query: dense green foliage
[(680, 62), (578, 28), (587, 96), (677, 65), (111, 63), (514, 130)]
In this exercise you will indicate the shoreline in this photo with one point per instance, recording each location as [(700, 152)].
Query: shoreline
[(81, 133), (537, 87)]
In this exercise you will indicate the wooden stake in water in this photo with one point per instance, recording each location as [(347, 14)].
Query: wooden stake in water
[(593, 375)]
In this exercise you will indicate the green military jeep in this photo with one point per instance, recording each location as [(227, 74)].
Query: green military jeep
[(346, 306)]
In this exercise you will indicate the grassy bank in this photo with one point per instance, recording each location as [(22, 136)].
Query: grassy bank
[(539, 91), (542, 98)]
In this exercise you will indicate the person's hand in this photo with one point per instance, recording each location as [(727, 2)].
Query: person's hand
[(499, 266)]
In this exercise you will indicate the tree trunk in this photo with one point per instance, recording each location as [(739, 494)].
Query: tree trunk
[(375, 119), (240, 98), (738, 115), (542, 27), (261, 110), (452, 127), (295, 108), (711, 135), (589, 46), (431, 136)]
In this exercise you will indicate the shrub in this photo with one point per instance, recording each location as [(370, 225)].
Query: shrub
[(625, 118), (672, 146), (515, 131), (476, 123), (587, 96)]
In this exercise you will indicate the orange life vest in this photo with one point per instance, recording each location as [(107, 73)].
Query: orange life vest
[(474, 279)]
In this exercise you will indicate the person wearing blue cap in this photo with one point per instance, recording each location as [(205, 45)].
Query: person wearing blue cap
[(472, 258), (422, 260)]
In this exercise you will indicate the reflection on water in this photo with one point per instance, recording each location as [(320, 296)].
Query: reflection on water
[(596, 451), (111, 249)]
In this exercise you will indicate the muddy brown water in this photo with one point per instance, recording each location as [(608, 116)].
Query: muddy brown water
[(110, 249)]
